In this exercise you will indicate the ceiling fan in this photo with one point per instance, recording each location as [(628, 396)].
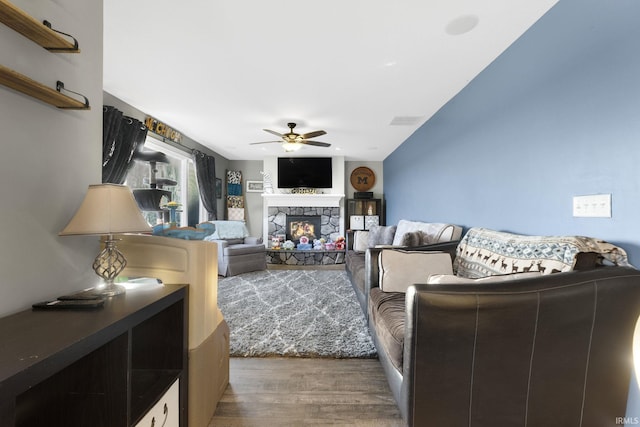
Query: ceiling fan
[(292, 141)]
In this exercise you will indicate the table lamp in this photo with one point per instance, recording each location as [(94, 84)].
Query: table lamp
[(107, 209)]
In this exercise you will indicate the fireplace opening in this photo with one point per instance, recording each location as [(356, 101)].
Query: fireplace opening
[(307, 225)]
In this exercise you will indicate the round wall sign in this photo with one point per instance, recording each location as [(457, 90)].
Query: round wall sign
[(362, 178)]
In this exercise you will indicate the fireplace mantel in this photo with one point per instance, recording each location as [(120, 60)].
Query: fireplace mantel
[(303, 200)]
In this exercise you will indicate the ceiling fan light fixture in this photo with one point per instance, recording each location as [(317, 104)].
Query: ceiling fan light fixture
[(292, 141), (291, 146)]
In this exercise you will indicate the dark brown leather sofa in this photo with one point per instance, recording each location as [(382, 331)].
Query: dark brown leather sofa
[(362, 267), (553, 350)]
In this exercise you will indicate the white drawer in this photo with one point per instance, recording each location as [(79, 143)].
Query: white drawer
[(165, 413)]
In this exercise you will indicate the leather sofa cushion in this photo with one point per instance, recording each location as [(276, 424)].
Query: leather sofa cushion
[(355, 265), (387, 314)]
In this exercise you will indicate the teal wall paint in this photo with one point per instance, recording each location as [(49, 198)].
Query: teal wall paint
[(556, 115)]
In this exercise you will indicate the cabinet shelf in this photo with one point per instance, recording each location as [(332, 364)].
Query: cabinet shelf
[(146, 386), (38, 32), (21, 83), (363, 213), (99, 368)]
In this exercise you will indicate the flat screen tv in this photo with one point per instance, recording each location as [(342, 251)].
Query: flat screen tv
[(304, 172)]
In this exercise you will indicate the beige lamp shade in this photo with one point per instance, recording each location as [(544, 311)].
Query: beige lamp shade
[(107, 209)]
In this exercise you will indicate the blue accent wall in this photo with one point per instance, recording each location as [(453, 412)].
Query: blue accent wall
[(555, 116)]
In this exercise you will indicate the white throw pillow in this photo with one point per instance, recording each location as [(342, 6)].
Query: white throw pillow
[(401, 269), (436, 279), (360, 241)]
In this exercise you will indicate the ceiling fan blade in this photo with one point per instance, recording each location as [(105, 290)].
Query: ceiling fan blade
[(316, 143), (273, 132), (313, 134), (265, 142)]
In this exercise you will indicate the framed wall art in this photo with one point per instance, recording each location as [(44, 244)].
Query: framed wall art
[(255, 186)]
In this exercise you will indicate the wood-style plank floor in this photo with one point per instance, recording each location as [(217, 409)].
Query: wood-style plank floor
[(279, 392)]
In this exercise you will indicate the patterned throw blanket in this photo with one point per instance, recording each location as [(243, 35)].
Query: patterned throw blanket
[(484, 252)]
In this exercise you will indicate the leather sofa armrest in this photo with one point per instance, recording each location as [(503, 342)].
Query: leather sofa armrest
[(445, 317), (371, 278), (449, 247)]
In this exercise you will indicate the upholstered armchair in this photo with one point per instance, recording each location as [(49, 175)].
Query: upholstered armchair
[(237, 251)]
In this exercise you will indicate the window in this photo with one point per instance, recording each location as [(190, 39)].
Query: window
[(180, 169)]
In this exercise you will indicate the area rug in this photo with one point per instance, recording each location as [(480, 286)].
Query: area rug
[(294, 313)]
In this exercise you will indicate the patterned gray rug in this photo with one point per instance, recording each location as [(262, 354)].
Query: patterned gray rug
[(295, 313)]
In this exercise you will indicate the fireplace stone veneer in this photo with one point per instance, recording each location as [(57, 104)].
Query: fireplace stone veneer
[(329, 219), (328, 207)]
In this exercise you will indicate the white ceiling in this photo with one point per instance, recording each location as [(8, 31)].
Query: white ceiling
[(220, 71)]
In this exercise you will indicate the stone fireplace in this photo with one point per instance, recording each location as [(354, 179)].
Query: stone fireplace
[(326, 207), (320, 222)]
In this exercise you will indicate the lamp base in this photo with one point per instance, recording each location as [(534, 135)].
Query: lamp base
[(108, 264)]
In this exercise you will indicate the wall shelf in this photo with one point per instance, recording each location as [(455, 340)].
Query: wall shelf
[(38, 32), (24, 84)]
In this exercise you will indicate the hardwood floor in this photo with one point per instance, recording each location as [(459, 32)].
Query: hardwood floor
[(274, 392)]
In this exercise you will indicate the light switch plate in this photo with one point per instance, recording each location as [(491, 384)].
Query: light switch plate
[(592, 206)]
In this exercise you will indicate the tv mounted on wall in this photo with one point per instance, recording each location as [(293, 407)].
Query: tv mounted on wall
[(304, 172)]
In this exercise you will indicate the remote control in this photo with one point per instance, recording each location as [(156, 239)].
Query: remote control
[(88, 294), (69, 304)]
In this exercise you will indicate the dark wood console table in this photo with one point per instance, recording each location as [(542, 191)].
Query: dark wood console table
[(101, 367)]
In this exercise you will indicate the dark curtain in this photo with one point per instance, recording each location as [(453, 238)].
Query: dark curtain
[(206, 177), (121, 135)]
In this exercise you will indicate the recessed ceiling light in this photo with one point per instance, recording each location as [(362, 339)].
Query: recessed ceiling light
[(461, 25)]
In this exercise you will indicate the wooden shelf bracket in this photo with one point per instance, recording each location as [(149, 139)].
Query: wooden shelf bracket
[(38, 32), (55, 97)]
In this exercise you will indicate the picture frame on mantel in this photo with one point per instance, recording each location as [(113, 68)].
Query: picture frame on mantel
[(255, 186)]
